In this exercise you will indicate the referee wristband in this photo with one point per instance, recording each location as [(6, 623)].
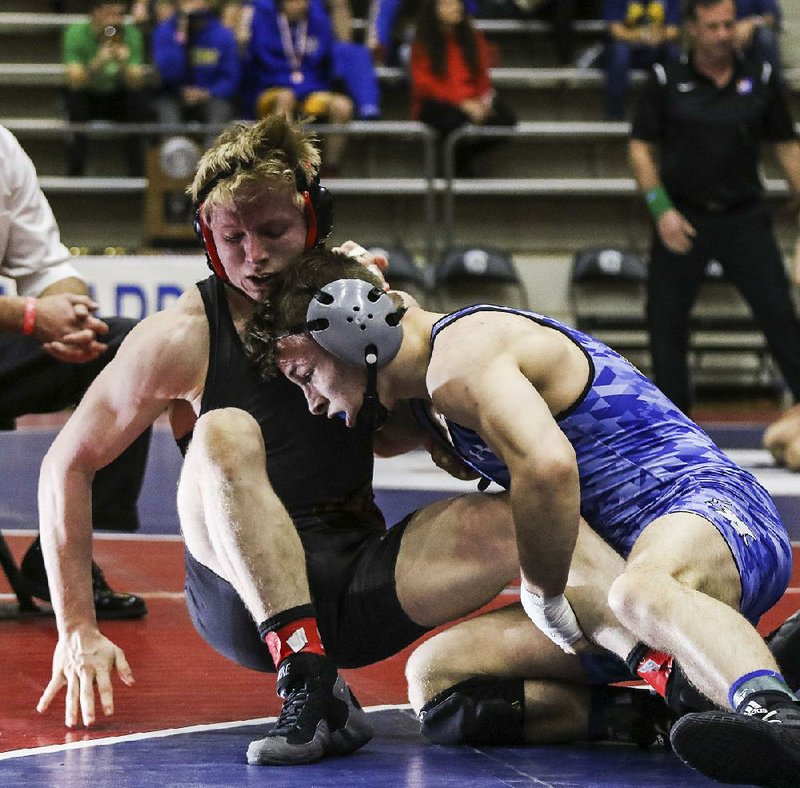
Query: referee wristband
[(29, 316), (658, 201)]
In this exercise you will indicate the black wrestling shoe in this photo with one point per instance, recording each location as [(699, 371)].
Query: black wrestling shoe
[(320, 715), (784, 643), (741, 748), (108, 604)]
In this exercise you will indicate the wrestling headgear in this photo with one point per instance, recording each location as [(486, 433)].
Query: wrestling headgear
[(358, 323)]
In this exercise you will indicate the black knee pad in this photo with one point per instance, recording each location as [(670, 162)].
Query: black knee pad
[(476, 711)]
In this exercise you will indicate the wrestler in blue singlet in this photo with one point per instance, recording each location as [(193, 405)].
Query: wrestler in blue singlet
[(639, 458)]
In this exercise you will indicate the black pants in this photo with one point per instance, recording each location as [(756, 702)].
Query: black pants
[(31, 381), (445, 118), (128, 106), (744, 244)]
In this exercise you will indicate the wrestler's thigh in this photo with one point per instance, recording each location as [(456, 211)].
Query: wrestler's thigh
[(689, 548), (502, 643), (455, 556)]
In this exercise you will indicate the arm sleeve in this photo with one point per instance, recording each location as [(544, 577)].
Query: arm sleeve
[(613, 11), (135, 43), (168, 55), (485, 57), (226, 85), (648, 118), (672, 13), (72, 49), (34, 256), (424, 83), (385, 19)]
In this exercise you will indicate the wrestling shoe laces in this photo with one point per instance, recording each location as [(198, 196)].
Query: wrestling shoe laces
[(320, 715)]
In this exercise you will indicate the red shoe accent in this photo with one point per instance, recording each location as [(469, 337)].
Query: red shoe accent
[(655, 669), (299, 635)]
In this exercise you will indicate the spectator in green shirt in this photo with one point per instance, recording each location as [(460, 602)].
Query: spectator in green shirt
[(103, 60)]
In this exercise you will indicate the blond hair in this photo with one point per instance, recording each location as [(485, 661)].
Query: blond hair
[(274, 151)]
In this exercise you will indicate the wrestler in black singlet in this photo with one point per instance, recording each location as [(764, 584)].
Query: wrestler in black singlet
[(322, 472)]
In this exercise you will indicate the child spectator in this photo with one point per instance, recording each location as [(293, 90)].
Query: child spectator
[(450, 83), (291, 68), (198, 61)]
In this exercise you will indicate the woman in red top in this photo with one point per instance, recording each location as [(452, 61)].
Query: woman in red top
[(450, 83)]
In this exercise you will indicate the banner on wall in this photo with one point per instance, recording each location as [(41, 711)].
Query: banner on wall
[(135, 285)]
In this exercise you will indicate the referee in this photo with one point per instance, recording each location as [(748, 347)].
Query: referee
[(705, 117)]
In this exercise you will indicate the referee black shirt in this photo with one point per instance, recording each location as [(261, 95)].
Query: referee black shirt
[(710, 137)]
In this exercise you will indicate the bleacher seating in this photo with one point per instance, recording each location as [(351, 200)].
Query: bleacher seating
[(559, 182)]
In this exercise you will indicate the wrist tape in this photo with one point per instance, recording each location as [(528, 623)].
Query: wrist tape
[(552, 615)]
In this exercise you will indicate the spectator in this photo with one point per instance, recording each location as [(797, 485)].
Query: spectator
[(198, 61), (391, 28), (704, 118), (291, 55), (450, 83), (105, 79), (639, 34), (352, 62), (51, 348), (148, 14), (757, 25)]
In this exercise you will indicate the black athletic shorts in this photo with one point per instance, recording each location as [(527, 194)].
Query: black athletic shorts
[(351, 574)]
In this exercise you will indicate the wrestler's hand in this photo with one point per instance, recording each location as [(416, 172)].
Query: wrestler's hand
[(81, 660), (449, 461), (676, 233), (375, 263), (66, 327)]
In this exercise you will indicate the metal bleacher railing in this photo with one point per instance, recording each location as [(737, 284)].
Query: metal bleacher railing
[(425, 184)]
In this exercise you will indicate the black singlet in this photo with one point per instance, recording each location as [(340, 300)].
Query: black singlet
[(317, 466)]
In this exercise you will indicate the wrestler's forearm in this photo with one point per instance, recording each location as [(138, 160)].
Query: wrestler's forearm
[(546, 517), (66, 533)]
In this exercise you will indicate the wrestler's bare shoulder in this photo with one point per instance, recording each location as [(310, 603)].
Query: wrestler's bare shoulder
[(168, 350)]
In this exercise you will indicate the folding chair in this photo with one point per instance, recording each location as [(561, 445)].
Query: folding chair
[(468, 275)]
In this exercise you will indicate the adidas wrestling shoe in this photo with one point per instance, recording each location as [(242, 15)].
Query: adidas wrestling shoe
[(784, 643), (320, 715), (758, 747)]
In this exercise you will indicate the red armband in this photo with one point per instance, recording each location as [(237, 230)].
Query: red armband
[(29, 316)]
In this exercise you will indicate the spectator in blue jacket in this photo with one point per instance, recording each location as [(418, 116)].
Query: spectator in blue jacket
[(198, 62), (757, 25), (352, 62), (640, 33), (291, 69)]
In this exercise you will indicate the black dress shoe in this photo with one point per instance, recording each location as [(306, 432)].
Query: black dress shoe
[(108, 604)]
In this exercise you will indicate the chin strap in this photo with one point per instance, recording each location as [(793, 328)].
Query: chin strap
[(373, 414)]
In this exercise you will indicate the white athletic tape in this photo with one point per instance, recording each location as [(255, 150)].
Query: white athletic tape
[(554, 616)]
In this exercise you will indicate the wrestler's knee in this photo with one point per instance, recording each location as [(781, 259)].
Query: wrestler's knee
[(478, 711), (228, 439), (640, 594)]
